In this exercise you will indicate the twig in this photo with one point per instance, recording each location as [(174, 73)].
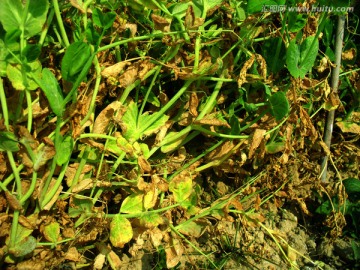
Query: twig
[(334, 86)]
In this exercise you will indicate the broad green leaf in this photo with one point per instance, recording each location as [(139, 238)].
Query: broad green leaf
[(300, 58), (31, 52), (133, 204), (63, 154), (52, 90), (179, 9), (19, 82), (132, 124), (81, 206), (75, 58), (102, 20), (24, 243), (151, 220), (181, 188), (297, 21), (8, 142), (24, 246), (52, 232), (274, 147), (92, 36), (3, 55), (154, 126), (120, 231), (352, 185), (12, 13), (279, 105), (254, 6)]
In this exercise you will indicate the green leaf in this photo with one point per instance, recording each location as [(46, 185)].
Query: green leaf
[(352, 185), (12, 12), (173, 144), (179, 9), (274, 147), (181, 188), (24, 246), (52, 232), (300, 58), (81, 206), (32, 52), (63, 154), (75, 58), (92, 35), (254, 6), (279, 105), (8, 142), (150, 220), (297, 21), (52, 90), (24, 243), (120, 231), (31, 70), (133, 204), (103, 20), (3, 56), (132, 124)]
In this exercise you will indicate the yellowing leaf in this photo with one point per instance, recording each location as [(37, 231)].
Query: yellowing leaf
[(181, 188), (132, 204), (150, 198), (120, 231), (52, 232), (151, 220)]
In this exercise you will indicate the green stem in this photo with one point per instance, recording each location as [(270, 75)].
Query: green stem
[(4, 105), (167, 106), (95, 93), (30, 190), (60, 22), (14, 226), (16, 174), (46, 27), (29, 109)]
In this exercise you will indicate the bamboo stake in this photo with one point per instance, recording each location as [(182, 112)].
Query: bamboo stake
[(334, 85)]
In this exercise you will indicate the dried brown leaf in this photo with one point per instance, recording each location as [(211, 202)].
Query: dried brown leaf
[(73, 255), (160, 23), (348, 55), (55, 197), (193, 104), (174, 251), (105, 116), (144, 164), (115, 70), (256, 140), (243, 72), (13, 202), (349, 127)]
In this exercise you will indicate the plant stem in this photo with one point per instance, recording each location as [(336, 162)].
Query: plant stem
[(60, 23), (4, 105), (334, 85)]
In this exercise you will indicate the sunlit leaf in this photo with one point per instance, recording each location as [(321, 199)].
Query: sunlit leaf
[(52, 232), (76, 55), (120, 231), (181, 188), (133, 204), (12, 13), (52, 90), (20, 82), (300, 58)]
